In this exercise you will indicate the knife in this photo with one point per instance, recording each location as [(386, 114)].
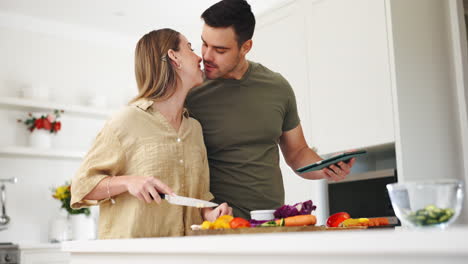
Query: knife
[(186, 201)]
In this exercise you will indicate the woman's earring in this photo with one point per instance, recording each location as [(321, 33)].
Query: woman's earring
[(179, 66)]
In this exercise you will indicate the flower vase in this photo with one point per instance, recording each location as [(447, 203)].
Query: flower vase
[(59, 227), (83, 227), (40, 138)]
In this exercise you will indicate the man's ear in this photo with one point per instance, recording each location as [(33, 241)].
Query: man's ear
[(246, 47), (173, 58)]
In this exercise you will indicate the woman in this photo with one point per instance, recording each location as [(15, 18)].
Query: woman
[(150, 146)]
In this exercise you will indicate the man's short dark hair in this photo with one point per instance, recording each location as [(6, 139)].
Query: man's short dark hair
[(236, 13)]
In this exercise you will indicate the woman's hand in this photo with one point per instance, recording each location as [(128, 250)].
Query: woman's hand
[(147, 188), (210, 214)]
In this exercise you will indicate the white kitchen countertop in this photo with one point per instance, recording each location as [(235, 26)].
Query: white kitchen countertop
[(376, 241)]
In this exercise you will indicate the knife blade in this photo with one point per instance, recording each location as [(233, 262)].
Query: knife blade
[(186, 201)]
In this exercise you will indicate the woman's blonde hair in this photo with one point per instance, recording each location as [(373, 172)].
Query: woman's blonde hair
[(155, 76)]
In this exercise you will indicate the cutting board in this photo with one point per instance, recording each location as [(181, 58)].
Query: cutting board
[(260, 230)]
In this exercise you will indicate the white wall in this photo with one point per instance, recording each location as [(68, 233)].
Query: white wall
[(73, 69), (425, 95), (460, 75)]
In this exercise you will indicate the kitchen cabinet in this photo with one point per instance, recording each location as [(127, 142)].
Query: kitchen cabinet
[(349, 74), (365, 246), (335, 55), (43, 254)]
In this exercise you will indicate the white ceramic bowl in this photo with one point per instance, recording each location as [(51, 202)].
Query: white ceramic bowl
[(262, 215)]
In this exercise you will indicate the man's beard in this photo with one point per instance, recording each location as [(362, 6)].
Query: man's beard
[(221, 74)]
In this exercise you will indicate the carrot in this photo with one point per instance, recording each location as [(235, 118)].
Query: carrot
[(299, 220), (378, 221)]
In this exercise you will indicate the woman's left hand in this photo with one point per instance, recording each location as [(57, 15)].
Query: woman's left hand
[(210, 214)]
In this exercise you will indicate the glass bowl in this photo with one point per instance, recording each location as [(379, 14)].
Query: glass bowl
[(427, 203)]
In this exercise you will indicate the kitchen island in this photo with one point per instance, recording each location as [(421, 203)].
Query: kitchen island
[(357, 246)]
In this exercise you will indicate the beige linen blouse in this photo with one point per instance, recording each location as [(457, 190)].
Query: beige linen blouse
[(139, 141)]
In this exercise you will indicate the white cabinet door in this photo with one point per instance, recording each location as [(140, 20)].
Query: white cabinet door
[(348, 67), (44, 256)]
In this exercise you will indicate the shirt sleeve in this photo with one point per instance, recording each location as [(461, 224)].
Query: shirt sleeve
[(291, 117), (105, 158), (206, 195)]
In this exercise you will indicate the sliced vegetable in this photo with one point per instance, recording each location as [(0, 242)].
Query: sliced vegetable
[(269, 224), (222, 222), (335, 219), (281, 222), (239, 222), (430, 215), (304, 208), (355, 222), (378, 221), (255, 223), (226, 218), (206, 225)]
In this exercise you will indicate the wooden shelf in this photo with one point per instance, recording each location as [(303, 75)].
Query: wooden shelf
[(37, 105), (41, 153)]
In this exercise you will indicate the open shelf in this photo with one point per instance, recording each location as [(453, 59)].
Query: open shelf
[(41, 153), (37, 105), (367, 176)]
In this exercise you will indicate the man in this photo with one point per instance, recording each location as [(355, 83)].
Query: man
[(246, 111)]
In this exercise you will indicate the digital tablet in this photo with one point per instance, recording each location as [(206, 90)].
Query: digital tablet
[(330, 161)]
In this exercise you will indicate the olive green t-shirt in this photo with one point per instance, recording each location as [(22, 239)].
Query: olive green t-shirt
[(242, 121)]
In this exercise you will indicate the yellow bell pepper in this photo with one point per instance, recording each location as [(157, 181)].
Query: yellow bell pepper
[(223, 222), (355, 222), (206, 225), (226, 218)]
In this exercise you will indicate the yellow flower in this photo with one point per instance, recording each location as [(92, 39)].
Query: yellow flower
[(62, 192)]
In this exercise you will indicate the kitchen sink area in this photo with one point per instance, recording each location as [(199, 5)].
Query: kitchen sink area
[(9, 253)]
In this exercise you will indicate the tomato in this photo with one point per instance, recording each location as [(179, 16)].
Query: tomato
[(335, 219), (238, 222)]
